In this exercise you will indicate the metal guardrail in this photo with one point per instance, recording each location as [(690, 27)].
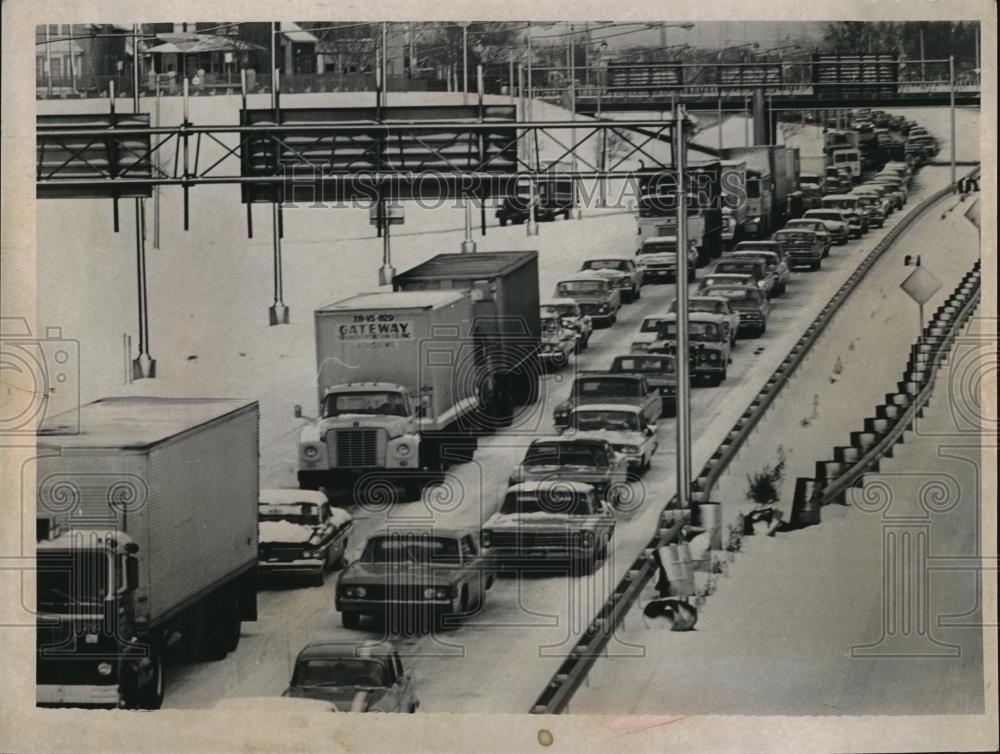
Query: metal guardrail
[(849, 478), (555, 697)]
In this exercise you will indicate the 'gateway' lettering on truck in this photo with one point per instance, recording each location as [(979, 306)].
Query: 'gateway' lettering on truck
[(377, 331)]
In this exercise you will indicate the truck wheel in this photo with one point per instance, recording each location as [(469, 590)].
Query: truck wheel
[(235, 626), (150, 696), (816, 265), (350, 619), (503, 222), (309, 480), (412, 489), (319, 578)]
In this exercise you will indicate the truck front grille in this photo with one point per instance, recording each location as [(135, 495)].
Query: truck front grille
[(355, 448), (529, 540)]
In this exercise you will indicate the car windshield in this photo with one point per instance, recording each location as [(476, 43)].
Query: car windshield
[(840, 203), (829, 216), (796, 237), (582, 287), (558, 499), (340, 671), (374, 402), (756, 246), (738, 268), (566, 454), (615, 421), (759, 256), (650, 324), (411, 548), (603, 386), (704, 332), (805, 225), (296, 513), (738, 296), (660, 247), (643, 364), (605, 264), (701, 305), (722, 279)]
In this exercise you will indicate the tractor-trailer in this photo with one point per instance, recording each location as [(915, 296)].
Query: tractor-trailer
[(734, 200), (398, 373), (147, 537), (760, 188), (507, 326)]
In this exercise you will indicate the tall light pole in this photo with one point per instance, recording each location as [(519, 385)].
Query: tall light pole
[(465, 62), (144, 365), (951, 79), (683, 356)]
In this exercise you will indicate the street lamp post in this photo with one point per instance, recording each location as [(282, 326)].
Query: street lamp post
[(465, 63), (683, 357), (144, 365)]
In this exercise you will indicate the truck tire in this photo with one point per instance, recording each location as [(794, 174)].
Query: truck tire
[(319, 578), (150, 696), (503, 222), (310, 480), (350, 619), (235, 627), (216, 644)]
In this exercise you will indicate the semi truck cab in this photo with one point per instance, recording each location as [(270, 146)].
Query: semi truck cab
[(86, 633)]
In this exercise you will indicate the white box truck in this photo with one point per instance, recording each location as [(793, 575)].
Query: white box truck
[(147, 537), (400, 388)]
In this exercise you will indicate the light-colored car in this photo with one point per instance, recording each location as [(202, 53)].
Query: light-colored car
[(776, 261), (574, 459), (857, 220), (623, 426), (840, 225), (541, 522), (365, 677), (657, 256), (299, 532), (822, 230), (558, 343), (568, 310), (647, 333), (717, 306), (597, 298), (623, 272)]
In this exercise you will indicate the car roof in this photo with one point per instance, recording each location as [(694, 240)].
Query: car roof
[(713, 299), (730, 276), (550, 484), (608, 257), (588, 275), (406, 530), (351, 649), (694, 317), (661, 239), (747, 252), (562, 439), (287, 497), (837, 196)]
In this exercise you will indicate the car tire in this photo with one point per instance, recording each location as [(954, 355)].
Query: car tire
[(636, 293), (350, 619), (503, 222), (816, 265), (319, 578)]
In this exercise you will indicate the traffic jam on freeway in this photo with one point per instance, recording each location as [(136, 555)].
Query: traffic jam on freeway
[(464, 359)]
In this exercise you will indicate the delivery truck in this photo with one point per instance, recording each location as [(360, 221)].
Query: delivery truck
[(734, 201), (772, 186), (705, 224), (503, 286), (399, 374), (146, 539)]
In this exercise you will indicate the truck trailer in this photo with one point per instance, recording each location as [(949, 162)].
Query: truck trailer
[(399, 375), (503, 286), (147, 537)]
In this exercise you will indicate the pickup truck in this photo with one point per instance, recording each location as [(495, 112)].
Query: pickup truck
[(716, 306), (775, 264), (804, 247), (597, 298), (432, 572), (300, 532), (575, 459), (708, 345), (544, 521), (607, 387), (660, 371), (623, 273), (751, 303), (572, 316)]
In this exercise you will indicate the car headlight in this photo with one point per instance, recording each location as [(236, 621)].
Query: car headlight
[(604, 307), (360, 591), (486, 537), (104, 668), (761, 283), (429, 593), (403, 450), (310, 452), (312, 554), (631, 449), (442, 593)]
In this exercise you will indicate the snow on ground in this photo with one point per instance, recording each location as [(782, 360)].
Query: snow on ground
[(777, 636)]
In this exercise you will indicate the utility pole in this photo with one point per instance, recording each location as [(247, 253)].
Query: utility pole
[(48, 62), (683, 355), (278, 313), (923, 71), (571, 67), (465, 63), (385, 65)]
